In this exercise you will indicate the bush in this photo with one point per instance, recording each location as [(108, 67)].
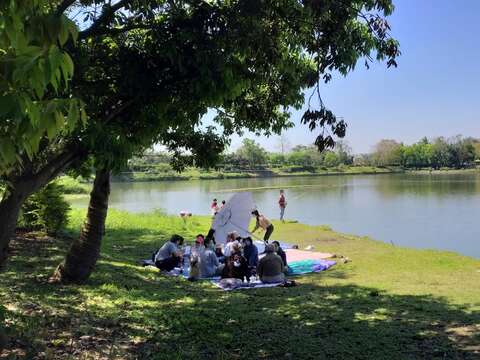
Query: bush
[(45, 210)]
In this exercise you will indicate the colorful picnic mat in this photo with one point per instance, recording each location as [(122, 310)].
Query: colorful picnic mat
[(309, 266), (298, 255)]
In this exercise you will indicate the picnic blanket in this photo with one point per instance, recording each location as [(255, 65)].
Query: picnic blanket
[(298, 255), (309, 266), (300, 262)]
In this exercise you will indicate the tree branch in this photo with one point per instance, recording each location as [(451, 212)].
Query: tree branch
[(64, 5), (103, 19), (58, 164), (123, 29)]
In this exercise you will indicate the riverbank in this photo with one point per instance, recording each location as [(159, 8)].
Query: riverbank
[(198, 174), (388, 302), (444, 171)]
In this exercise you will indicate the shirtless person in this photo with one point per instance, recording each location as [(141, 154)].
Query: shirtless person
[(264, 223)]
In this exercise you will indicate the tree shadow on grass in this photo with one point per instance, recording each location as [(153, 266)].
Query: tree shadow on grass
[(312, 321), (126, 311)]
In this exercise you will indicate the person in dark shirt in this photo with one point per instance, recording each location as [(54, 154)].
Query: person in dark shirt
[(280, 252), (250, 252), (236, 267)]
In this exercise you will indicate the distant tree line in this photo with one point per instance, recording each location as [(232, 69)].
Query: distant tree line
[(457, 152), (251, 156)]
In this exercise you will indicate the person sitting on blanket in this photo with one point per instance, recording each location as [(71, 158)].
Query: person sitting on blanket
[(231, 243), (264, 223), (270, 268), (196, 252), (282, 254), (219, 253), (209, 264), (169, 256), (198, 247), (236, 266), (211, 236), (250, 252)]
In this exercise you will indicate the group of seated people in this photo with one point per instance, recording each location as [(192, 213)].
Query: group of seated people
[(238, 259)]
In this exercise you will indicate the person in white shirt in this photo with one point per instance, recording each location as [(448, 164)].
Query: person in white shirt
[(231, 244)]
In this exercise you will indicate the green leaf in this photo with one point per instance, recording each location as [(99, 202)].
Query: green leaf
[(59, 119), (52, 128), (64, 31), (55, 58), (73, 114), (66, 67), (83, 115), (7, 150)]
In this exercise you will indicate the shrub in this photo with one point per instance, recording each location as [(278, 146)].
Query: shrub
[(46, 210)]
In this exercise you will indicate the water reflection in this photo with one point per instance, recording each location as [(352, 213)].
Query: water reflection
[(429, 185)]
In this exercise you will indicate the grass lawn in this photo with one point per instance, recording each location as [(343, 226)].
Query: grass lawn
[(388, 303)]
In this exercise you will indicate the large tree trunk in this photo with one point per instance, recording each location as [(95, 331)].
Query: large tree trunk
[(9, 211), (84, 252), (21, 186)]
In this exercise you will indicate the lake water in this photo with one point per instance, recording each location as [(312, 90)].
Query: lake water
[(425, 211)]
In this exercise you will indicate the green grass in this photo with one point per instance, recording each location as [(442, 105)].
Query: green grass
[(388, 303), (73, 186)]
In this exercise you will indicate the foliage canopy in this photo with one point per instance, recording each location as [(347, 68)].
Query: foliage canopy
[(35, 69)]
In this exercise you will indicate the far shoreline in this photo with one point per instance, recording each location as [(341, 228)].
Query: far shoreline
[(267, 174)]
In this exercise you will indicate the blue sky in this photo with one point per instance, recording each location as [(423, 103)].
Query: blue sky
[(435, 91)]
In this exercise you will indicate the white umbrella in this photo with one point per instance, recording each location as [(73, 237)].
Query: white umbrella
[(234, 216)]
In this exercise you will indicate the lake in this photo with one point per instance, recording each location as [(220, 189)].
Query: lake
[(439, 211)]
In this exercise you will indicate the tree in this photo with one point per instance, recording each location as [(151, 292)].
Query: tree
[(441, 155), (301, 158), (363, 160), (476, 144), (283, 144), (462, 152), (344, 152), (34, 111), (418, 155), (387, 152), (331, 159), (35, 69), (252, 153), (148, 71), (276, 159)]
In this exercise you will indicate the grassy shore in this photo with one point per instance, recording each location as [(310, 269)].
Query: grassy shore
[(198, 174), (445, 171), (388, 303)]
